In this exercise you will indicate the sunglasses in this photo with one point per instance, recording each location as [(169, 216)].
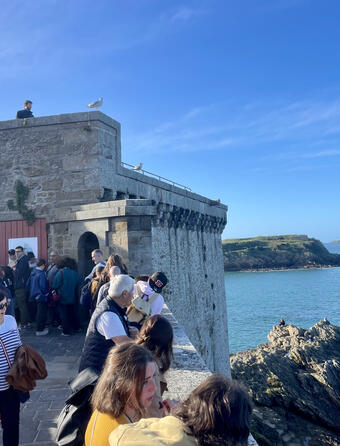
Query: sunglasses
[(2, 306)]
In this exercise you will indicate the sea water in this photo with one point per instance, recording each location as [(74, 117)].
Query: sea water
[(258, 300)]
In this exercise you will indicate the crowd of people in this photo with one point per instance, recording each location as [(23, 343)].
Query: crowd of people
[(128, 346)]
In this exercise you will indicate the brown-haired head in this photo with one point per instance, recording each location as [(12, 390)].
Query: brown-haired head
[(69, 262), (121, 381), (157, 336), (113, 260), (217, 413)]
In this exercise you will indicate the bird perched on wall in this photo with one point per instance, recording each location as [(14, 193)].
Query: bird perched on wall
[(138, 167), (96, 104)]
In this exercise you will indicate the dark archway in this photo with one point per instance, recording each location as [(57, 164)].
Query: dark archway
[(86, 244)]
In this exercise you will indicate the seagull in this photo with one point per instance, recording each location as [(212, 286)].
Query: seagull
[(138, 167), (96, 104)]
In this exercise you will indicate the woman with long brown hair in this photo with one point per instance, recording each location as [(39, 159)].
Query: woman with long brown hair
[(124, 391), (216, 413), (113, 260), (157, 336)]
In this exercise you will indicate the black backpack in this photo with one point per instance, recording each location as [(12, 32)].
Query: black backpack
[(85, 296), (74, 417)]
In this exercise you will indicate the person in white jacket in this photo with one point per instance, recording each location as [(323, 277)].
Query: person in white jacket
[(154, 284)]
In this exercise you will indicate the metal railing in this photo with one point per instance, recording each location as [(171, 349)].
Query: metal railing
[(166, 180)]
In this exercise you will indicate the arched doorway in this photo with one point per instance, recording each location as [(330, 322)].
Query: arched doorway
[(86, 244)]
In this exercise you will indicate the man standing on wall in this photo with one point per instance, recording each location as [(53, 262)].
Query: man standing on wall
[(21, 275), (26, 113), (98, 260)]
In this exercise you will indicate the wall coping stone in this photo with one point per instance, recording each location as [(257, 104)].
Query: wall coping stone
[(66, 118)]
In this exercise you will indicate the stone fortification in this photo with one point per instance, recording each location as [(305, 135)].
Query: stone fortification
[(72, 166)]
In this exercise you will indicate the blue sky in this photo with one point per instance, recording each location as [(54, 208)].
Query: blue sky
[(238, 100)]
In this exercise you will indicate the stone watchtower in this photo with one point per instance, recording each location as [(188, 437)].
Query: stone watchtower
[(84, 198)]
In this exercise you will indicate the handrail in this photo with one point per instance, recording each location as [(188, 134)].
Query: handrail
[(145, 172)]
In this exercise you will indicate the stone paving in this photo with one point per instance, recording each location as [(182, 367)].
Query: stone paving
[(38, 416)]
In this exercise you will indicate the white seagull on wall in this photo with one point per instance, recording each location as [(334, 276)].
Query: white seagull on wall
[(138, 167), (96, 104)]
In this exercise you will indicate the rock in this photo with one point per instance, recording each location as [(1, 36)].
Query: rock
[(294, 381)]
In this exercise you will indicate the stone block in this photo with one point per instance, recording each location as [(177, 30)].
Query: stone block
[(46, 434)]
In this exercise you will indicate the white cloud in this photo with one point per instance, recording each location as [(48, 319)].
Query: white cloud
[(266, 128), (184, 14)]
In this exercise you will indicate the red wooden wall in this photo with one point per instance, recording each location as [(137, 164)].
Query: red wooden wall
[(19, 228)]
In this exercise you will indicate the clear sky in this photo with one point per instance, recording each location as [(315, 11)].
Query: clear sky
[(236, 99)]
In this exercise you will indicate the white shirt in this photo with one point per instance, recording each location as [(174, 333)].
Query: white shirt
[(158, 303), (109, 325), (9, 335)]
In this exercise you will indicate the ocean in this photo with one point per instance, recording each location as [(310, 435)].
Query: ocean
[(258, 300)]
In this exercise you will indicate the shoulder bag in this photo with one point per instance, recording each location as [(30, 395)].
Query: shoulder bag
[(140, 309), (23, 396), (56, 296)]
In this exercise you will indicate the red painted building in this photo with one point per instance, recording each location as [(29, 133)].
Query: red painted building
[(20, 229)]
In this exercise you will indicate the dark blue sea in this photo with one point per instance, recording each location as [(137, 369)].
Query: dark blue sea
[(258, 300)]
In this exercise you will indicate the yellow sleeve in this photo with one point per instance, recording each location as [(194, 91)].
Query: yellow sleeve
[(99, 428)]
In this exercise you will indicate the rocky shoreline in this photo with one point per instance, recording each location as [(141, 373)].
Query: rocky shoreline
[(294, 381)]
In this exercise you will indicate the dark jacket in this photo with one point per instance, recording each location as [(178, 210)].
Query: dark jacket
[(5, 290), (96, 347), (51, 273), (37, 286), (21, 273), (68, 285), (22, 114)]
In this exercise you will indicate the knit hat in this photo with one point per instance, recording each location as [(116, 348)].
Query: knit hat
[(158, 281)]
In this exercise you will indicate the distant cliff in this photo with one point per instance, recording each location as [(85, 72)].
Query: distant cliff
[(277, 252)]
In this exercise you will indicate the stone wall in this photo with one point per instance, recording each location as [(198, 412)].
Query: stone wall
[(75, 159), (72, 165), (190, 252), (150, 237), (60, 158)]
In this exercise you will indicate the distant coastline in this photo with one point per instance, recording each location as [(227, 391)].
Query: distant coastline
[(277, 253), (269, 270)]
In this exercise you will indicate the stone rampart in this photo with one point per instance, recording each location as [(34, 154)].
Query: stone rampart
[(72, 166)]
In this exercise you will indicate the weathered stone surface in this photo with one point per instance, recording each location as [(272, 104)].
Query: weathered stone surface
[(294, 381)]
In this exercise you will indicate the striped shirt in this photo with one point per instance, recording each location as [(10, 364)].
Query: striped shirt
[(10, 337)]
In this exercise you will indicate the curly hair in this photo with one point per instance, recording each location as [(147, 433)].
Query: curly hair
[(157, 336), (217, 413), (122, 379)]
